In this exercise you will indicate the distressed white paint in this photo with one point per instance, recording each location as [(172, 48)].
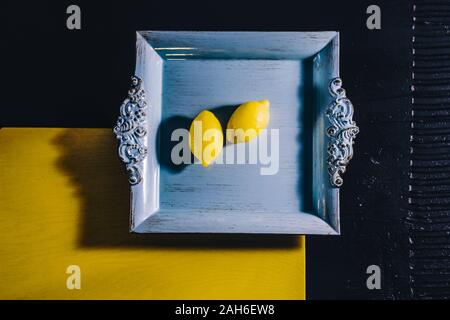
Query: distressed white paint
[(218, 69)]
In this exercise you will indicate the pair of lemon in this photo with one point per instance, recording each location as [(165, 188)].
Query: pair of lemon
[(245, 124)]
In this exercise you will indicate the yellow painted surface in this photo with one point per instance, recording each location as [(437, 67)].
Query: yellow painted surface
[(64, 200)]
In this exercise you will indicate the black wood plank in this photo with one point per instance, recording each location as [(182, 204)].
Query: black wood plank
[(374, 206), (428, 217)]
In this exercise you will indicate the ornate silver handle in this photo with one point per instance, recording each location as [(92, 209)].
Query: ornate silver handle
[(342, 131), (130, 131)]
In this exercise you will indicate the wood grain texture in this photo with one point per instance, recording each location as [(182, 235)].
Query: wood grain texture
[(429, 189), (65, 200)]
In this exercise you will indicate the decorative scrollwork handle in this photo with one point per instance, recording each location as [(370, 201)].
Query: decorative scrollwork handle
[(342, 131), (130, 130)]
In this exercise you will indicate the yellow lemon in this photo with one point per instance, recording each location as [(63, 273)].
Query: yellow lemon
[(248, 120), (206, 137)]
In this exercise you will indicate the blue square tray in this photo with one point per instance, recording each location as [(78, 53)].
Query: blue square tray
[(179, 74)]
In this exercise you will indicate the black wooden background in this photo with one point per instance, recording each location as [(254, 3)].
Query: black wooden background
[(394, 215), (429, 193)]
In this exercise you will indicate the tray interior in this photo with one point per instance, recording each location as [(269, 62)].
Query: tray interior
[(220, 85), (197, 71)]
